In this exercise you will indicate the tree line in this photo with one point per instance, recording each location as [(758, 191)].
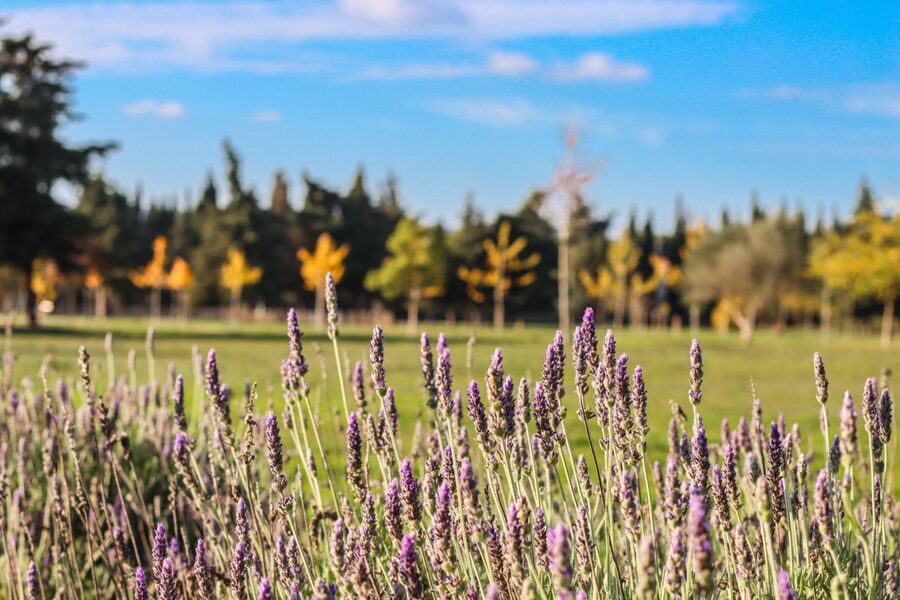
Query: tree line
[(229, 246)]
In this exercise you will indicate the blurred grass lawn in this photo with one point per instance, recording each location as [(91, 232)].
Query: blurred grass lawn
[(780, 366)]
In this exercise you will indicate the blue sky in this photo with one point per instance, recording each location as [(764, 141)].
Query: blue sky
[(709, 99)]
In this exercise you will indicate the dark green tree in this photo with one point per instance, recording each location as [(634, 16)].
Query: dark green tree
[(35, 103)]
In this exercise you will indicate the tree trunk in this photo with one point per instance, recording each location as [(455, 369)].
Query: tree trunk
[(694, 317), (499, 297), (825, 313), (619, 311), (319, 316), (30, 297), (100, 302), (887, 321), (746, 324), (235, 303), (412, 310), (155, 302), (565, 312)]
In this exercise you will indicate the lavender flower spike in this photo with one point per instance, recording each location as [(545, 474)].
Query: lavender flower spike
[(784, 587), (376, 360), (331, 306), (265, 590), (140, 584), (696, 379), (559, 555), (701, 544), (202, 575), (274, 451), (31, 582), (821, 379), (408, 567)]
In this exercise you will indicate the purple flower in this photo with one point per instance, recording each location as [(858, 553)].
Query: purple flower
[(166, 585), (559, 555), (589, 335), (479, 419), (392, 522), (696, 377), (553, 371), (331, 306), (295, 340), (823, 508), (31, 582), (469, 491), (355, 475), (580, 360), (443, 380), (821, 379), (140, 584), (409, 494), (265, 590), (202, 575), (639, 406), (158, 549), (784, 587), (886, 413), (358, 386), (848, 430), (178, 403), (376, 360), (701, 543), (775, 472), (540, 537), (675, 562), (274, 451), (427, 359), (699, 465), (408, 568), (238, 571)]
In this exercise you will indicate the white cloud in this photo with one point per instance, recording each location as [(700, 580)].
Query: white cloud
[(488, 111), (168, 109), (597, 66), (499, 63), (267, 116), (511, 63), (652, 136), (159, 34), (873, 99)]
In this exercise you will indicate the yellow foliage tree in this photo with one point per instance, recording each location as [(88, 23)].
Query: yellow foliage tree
[(327, 257), (505, 268), (235, 275), (94, 282), (44, 278), (612, 280), (864, 263), (153, 274), (179, 280)]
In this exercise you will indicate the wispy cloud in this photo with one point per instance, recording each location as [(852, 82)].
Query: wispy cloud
[(167, 109), (873, 99), (223, 35), (596, 66), (593, 66), (266, 116), (496, 112)]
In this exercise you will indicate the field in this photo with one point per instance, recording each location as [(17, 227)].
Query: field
[(780, 366)]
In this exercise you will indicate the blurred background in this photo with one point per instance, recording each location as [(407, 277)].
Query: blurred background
[(676, 164)]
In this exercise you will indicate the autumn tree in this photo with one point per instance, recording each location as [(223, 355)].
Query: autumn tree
[(505, 268), (327, 257), (413, 269), (863, 263), (153, 275), (611, 281), (235, 275), (179, 281)]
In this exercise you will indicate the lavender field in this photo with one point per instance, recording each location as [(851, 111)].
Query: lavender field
[(549, 485)]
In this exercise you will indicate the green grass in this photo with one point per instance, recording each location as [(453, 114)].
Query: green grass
[(780, 366)]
